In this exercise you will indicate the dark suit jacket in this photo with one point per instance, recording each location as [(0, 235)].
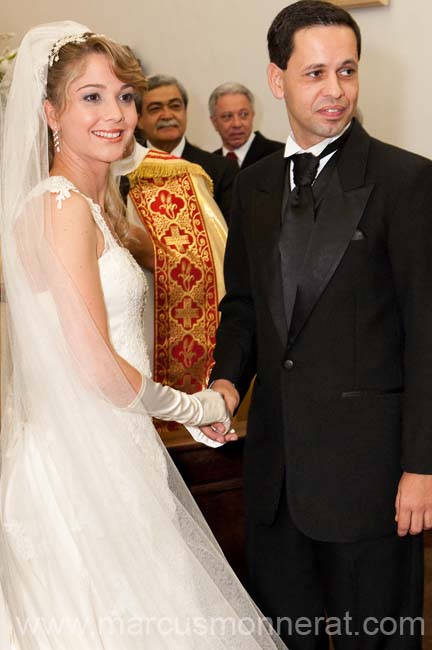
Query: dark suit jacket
[(221, 171), (260, 147), (342, 402)]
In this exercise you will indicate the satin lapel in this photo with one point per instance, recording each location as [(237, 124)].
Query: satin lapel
[(339, 214), (266, 216)]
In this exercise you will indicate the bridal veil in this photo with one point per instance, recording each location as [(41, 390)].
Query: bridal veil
[(100, 539)]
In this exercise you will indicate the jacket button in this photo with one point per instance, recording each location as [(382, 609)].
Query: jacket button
[(288, 364)]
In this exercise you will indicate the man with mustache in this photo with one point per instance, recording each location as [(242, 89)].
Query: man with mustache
[(328, 276), (163, 120)]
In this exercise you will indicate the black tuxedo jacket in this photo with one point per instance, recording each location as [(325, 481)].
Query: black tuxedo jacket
[(342, 403), (221, 171), (260, 147)]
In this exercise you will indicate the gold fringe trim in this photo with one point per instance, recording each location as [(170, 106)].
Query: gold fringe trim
[(167, 168)]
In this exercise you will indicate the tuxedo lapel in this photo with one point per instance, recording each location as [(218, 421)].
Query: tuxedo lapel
[(339, 214), (266, 224)]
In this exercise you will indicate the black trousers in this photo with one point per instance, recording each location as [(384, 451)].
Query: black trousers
[(366, 595)]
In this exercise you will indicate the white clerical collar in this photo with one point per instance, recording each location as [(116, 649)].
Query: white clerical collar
[(177, 151), (292, 147), (127, 165), (240, 152)]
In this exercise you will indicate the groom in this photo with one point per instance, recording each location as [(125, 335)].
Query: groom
[(329, 300)]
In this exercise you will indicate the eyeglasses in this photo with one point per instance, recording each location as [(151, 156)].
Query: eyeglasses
[(228, 117)]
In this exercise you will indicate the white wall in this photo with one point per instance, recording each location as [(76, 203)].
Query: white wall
[(206, 42)]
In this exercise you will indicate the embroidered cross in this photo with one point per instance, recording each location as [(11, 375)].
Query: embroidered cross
[(177, 240), (188, 312)]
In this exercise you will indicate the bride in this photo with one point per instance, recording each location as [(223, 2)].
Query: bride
[(101, 544)]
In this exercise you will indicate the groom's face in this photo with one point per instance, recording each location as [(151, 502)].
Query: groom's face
[(320, 82)]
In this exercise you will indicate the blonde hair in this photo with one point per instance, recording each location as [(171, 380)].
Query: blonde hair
[(70, 64)]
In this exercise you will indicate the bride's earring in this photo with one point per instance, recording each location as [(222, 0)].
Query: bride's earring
[(56, 138)]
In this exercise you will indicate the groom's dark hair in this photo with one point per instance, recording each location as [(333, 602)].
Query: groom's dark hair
[(300, 15)]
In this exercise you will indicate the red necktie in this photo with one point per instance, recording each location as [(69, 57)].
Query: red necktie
[(232, 156)]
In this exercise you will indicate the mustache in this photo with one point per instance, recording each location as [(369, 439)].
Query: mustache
[(164, 122)]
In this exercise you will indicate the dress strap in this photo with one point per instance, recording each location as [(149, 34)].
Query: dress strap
[(63, 187), (101, 223)]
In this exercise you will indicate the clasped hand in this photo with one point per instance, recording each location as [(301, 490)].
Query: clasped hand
[(216, 431)]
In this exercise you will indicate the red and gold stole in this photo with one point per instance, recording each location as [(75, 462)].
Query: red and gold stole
[(186, 298)]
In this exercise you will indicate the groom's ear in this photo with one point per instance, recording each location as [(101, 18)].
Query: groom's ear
[(275, 80)]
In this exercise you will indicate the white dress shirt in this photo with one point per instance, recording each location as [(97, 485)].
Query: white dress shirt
[(292, 148), (177, 151)]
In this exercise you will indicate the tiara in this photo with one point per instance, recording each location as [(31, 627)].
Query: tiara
[(72, 38)]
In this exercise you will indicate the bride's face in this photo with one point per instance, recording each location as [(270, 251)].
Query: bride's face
[(100, 116)]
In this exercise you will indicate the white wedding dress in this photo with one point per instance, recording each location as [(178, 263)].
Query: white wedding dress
[(102, 546)]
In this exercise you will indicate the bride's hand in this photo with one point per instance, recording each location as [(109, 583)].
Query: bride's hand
[(216, 432)]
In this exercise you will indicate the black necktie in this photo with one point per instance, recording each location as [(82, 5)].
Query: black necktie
[(298, 218), (305, 167)]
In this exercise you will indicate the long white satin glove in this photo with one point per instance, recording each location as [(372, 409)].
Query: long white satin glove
[(166, 403)]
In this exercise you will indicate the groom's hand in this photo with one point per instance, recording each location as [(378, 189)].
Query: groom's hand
[(232, 398), (414, 503), (228, 391)]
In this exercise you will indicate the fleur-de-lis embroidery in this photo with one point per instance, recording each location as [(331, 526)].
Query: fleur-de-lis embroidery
[(168, 204), (188, 351), (186, 274)]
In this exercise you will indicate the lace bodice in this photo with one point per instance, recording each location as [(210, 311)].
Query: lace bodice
[(123, 284)]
